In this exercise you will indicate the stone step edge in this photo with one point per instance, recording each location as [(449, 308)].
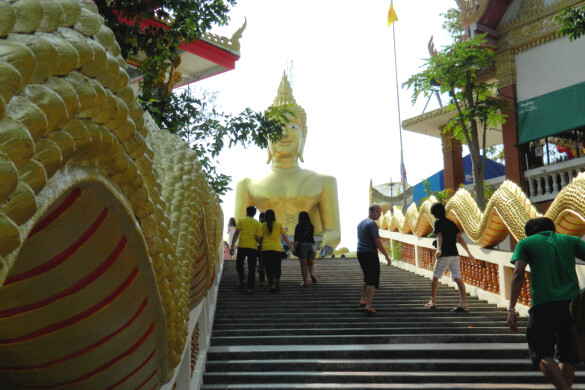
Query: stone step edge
[(372, 347), (405, 386), (418, 374), (366, 361)]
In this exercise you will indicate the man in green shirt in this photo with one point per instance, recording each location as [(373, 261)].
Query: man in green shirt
[(554, 283)]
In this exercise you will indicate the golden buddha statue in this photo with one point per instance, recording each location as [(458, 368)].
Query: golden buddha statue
[(289, 189)]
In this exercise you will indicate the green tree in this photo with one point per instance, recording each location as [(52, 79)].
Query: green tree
[(156, 29), (158, 45), (452, 24), (457, 70), (208, 131), (496, 153), (441, 196), (572, 22)]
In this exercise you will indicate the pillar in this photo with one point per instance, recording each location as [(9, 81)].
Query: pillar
[(512, 152), (506, 75), (452, 161)]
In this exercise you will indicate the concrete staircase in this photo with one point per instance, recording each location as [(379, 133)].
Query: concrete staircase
[(319, 338)]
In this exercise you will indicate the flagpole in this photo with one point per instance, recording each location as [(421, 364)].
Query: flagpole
[(402, 169)]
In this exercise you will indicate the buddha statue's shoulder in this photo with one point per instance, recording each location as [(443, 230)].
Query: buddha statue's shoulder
[(299, 176), (326, 179), (308, 176)]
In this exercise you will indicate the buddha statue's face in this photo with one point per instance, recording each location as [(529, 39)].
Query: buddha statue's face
[(291, 142)]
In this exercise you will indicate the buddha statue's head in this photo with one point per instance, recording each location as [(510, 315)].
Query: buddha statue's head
[(292, 143)]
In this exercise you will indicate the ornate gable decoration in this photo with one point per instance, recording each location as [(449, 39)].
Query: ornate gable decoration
[(471, 10)]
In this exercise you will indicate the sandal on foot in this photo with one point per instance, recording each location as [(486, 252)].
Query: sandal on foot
[(313, 278), (304, 284), (430, 306), (370, 310), (459, 309)]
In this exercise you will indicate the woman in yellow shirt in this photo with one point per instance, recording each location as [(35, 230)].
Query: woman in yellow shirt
[(269, 234)]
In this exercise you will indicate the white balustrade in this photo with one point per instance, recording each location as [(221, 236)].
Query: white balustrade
[(544, 183)]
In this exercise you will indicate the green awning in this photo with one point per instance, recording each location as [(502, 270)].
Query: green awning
[(552, 113)]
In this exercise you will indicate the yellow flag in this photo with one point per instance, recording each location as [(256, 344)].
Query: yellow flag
[(392, 17)]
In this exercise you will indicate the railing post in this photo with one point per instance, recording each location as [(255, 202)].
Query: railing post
[(504, 278), (418, 258)]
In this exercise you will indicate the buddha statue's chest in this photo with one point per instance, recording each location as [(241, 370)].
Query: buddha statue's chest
[(290, 192)]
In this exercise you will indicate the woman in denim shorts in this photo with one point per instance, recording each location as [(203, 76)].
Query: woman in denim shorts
[(304, 245)]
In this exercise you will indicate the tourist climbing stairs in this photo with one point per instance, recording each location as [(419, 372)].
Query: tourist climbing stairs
[(317, 337)]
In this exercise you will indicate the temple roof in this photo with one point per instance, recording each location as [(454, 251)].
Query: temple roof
[(431, 124), (206, 57)]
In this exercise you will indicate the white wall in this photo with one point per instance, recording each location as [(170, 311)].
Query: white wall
[(549, 67)]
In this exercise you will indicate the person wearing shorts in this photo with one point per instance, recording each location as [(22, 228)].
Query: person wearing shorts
[(304, 247), (447, 257), (554, 284), (369, 243)]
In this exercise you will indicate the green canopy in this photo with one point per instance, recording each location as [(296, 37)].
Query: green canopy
[(552, 113)]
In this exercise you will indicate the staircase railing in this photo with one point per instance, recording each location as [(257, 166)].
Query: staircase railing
[(488, 277)]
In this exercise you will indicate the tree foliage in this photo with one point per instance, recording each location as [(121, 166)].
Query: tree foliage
[(441, 196), (208, 131), (496, 153), (457, 70), (572, 22), (175, 22), (452, 24), (157, 44)]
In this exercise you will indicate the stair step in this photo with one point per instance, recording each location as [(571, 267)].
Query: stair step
[(382, 330), (398, 386), (374, 377), (369, 339), (368, 351), (301, 327), (372, 364)]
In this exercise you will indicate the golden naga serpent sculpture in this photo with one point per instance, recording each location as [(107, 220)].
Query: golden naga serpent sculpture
[(83, 170), (506, 213)]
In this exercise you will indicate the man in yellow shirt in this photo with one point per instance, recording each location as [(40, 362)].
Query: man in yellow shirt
[(247, 247)]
